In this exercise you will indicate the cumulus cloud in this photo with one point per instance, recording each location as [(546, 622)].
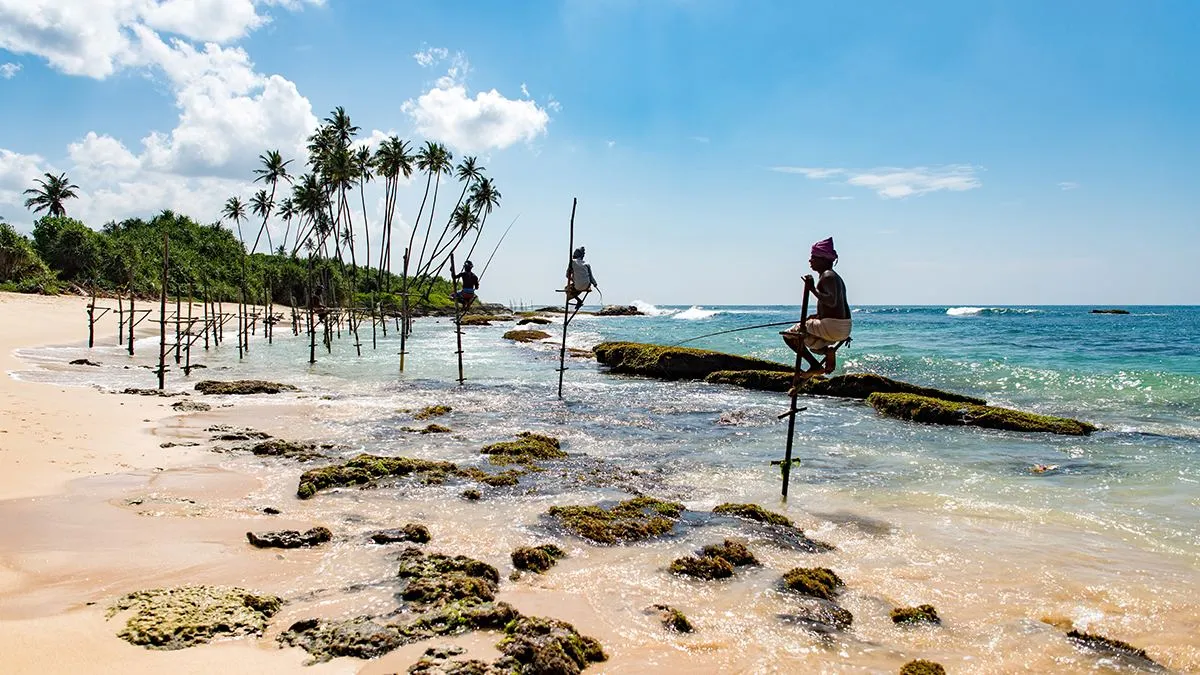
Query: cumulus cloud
[(895, 182), (17, 172), (489, 120), (428, 57), (9, 70)]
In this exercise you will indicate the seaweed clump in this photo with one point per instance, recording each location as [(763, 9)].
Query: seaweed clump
[(476, 320), (754, 512), (242, 387), (715, 561), (176, 618), (675, 363), (762, 380), (526, 335), (527, 449), (277, 447), (365, 469), (818, 582), (673, 619), (431, 411), (537, 558), (776, 525), (936, 411), (631, 520), (922, 667), (1108, 645), (428, 429), (918, 614), (545, 646)]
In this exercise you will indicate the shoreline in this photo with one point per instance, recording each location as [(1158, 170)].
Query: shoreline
[(70, 522)]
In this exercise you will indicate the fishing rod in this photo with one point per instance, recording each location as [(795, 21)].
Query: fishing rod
[(489, 260), (735, 330)]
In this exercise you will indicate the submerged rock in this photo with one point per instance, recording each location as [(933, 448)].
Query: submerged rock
[(620, 310), (675, 363), (85, 362), (365, 469), (277, 447), (439, 661), (762, 380), (733, 551), (471, 494), (414, 532), (290, 538), (191, 406), (527, 449), (431, 411), (753, 512), (536, 320), (820, 616), (1104, 645), (918, 614), (176, 618), (1110, 311), (242, 387), (428, 429), (544, 646), (818, 582), (537, 558), (673, 619), (862, 385), (437, 579), (631, 520), (477, 320), (715, 561), (935, 411), (526, 335), (776, 527), (922, 667), (136, 391), (224, 432)]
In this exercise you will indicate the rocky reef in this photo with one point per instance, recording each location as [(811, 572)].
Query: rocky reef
[(620, 310), (775, 526), (541, 646), (715, 561), (1104, 645), (673, 619), (277, 447), (918, 614), (191, 406), (176, 618), (242, 387), (761, 380), (290, 538), (427, 429), (630, 520), (527, 449), (675, 363), (526, 335), (537, 558), (414, 532), (817, 582), (365, 469), (431, 411), (536, 320), (928, 410)]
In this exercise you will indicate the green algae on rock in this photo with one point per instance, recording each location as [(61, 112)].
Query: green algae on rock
[(537, 558), (527, 449), (439, 661), (471, 494), (818, 582), (775, 526), (1099, 643), (477, 320), (176, 618), (922, 667), (290, 538), (702, 567), (762, 380), (735, 552), (506, 478), (277, 447), (435, 578), (674, 363), (428, 429), (753, 512), (431, 411), (414, 532), (543, 646), (631, 520), (935, 411), (242, 387), (526, 335), (862, 385), (674, 620), (918, 614), (365, 469)]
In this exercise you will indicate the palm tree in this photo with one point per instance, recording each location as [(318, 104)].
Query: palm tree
[(261, 205), (51, 194), (392, 160), (236, 211), (287, 211), (362, 168), (436, 163), (274, 169), (484, 198), (469, 173)]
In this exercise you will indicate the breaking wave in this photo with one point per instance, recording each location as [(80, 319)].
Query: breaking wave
[(695, 312), (988, 311), (650, 310)]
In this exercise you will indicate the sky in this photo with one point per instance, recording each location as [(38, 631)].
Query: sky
[(959, 153)]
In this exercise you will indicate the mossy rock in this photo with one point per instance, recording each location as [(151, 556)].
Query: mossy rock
[(819, 615), (365, 469), (702, 567), (527, 449), (506, 478), (431, 411), (549, 647), (753, 512), (471, 494), (818, 582), (290, 538), (428, 429), (1099, 643), (526, 335), (242, 387), (537, 558), (918, 614), (675, 363), (762, 380), (674, 620), (277, 447), (436, 579), (176, 618), (935, 411), (631, 520), (536, 320), (414, 532), (732, 551), (862, 385), (476, 320), (922, 667)]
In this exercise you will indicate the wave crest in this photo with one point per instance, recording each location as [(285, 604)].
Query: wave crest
[(696, 312), (987, 311)]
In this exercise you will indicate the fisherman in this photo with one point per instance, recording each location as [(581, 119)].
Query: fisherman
[(470, 284), (579, 278), (823, 331)]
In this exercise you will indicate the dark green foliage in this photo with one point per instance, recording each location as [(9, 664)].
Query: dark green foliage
[(69, 247), (20, 264)]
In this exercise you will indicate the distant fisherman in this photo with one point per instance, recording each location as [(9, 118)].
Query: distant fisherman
[(579, 278), (470, 284), (824, 331)]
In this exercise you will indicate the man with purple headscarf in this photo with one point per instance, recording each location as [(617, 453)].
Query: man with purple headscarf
[(823, 331)]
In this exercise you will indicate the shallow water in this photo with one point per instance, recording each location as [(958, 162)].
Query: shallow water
[(1110, 539)]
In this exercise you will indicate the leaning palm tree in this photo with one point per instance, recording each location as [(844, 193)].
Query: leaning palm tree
[(50, 194), (392, 160), (437, 163), (274, 169), (469, 172), (485, 197), (287, 211), (236, 211)]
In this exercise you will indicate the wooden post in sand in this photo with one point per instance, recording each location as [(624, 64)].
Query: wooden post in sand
[(188, 338), (206, 326), (132, 321), (120, 319), (404, 314), (178, 307), (162, 317), (457, 318), (562, 352), (793, 410), (91, 312)]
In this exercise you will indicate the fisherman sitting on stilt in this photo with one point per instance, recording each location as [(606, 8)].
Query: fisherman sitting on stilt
[(823, 332), (470, 283), (579, 278)]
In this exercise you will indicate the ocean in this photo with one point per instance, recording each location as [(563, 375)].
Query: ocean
[(1108, 539)]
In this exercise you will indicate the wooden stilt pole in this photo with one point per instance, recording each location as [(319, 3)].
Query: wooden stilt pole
[(120, 319), (404, 314), (787, 455), (187, 363), (206, 325), (178, 307), (312, 329), (562, 352), (162, 317), (269, 326), (91, 312), (457, 319), (132, 321)]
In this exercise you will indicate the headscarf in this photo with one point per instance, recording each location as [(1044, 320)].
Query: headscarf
[(824, 249), (467, 265), (578, 254)]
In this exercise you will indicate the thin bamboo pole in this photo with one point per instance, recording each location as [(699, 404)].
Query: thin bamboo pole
[(562, 352), (792, 410), (132, 321), (162, 316), (91, 312), (457, 319)]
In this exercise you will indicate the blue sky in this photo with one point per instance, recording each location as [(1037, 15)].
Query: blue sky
[(959, 153)]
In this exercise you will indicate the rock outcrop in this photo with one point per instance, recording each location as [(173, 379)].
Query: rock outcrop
[(242, 387), (675, 363), (631, 520), (928, 410), (525, 335), (176, 618), (290, 538)]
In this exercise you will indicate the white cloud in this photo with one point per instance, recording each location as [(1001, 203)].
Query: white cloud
[(17, 172), (1068, 185), (524, 90), (894, 182), (552, 104), (838, 198), (9, 70), (430, 56), (489, 120)]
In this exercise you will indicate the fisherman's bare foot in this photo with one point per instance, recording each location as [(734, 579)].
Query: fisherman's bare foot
[(830, 361)]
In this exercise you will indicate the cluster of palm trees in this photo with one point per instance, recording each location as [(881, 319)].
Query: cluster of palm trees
[(319, 205)]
